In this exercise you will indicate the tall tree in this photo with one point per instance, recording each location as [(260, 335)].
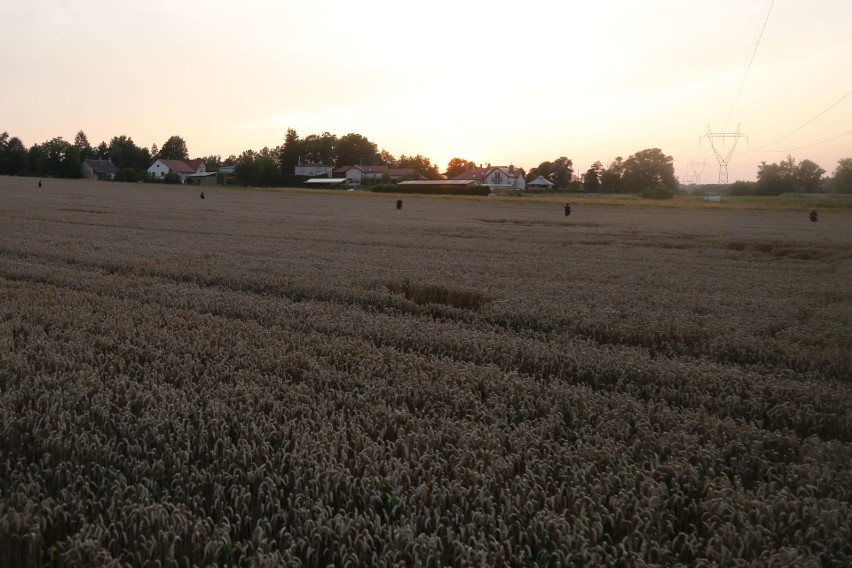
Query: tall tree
[(458, 166), (647, 169), (247, 168), (320, 149), (420, 164), (611, 181), (290, 152), (102, 151), (386, 158), (13, 156), (842, 180), (808, 177), (560, 172), (774, 179), (174, 149), (124, 153), (56, 158), (592, 177), (81, 141), (354, 150), (212, 163)]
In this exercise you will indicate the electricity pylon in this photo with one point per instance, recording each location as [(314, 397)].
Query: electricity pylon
[(723, 157), (697, 169)]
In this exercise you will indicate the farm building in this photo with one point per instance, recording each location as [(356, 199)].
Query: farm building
[(540, 183), (373, 174), (98, 169), (327, 183), (184, 168), (313, 170)]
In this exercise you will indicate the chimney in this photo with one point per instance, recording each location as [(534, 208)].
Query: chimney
[(511, 168)]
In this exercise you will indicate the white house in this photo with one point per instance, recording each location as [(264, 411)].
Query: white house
[(353, 174), (496, 177), (184, 168)]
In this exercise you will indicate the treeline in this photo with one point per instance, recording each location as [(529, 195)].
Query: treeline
[(648, 171), (58, 157), (251, 167), (788, 176)]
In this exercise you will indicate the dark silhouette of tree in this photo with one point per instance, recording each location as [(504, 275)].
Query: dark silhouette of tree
[(81, 141), (174, 149), (560, 172), (842, 180), (611, 177), (420, 164), (458, 166), (592, 178), (648, 169), (290, 152), (354, 149)]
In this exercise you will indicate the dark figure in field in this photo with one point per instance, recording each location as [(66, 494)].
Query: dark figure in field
[(567, 209), (813, 216), (39, 183), (202, 195), (399, 203)]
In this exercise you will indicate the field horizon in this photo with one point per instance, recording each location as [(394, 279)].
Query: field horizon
[(305, 378)]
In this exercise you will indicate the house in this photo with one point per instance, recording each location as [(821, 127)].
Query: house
[(496, 177), (373, 174), (98, 169), (313, 170), (184, 168), (540, 183), (352, 174)]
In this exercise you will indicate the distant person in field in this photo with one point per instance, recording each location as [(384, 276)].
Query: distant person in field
[(567, 209), (39, 183), (813, 216), (202, 195), (399, 203)]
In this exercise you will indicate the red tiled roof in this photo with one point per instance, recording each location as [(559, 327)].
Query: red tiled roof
[(178, 166), (194, 164)]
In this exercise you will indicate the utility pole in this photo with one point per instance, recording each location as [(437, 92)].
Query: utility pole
[(723, 155)]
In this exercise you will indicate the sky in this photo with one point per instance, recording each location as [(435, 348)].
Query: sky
[(488, 81)]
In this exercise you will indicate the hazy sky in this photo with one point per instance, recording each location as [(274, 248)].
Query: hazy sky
[(499, 82)]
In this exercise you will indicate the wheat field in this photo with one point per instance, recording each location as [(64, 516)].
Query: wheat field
[(284, 378)]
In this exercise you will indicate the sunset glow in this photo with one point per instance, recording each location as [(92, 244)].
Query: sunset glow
[(494, 82)]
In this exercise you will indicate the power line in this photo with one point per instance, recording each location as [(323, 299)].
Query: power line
[(810, 145), (750, 61), (834, 104)]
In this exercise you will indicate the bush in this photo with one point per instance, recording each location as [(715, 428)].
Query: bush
[(127, 174), (744, 188), (658, 192)]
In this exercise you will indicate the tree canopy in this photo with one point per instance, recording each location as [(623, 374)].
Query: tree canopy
[(174, 149), (592, 178), (648, 169), (354, 149), (458, 166), (787, 177), (290, 152), (421, 164), (842, 180), (560, 172)]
